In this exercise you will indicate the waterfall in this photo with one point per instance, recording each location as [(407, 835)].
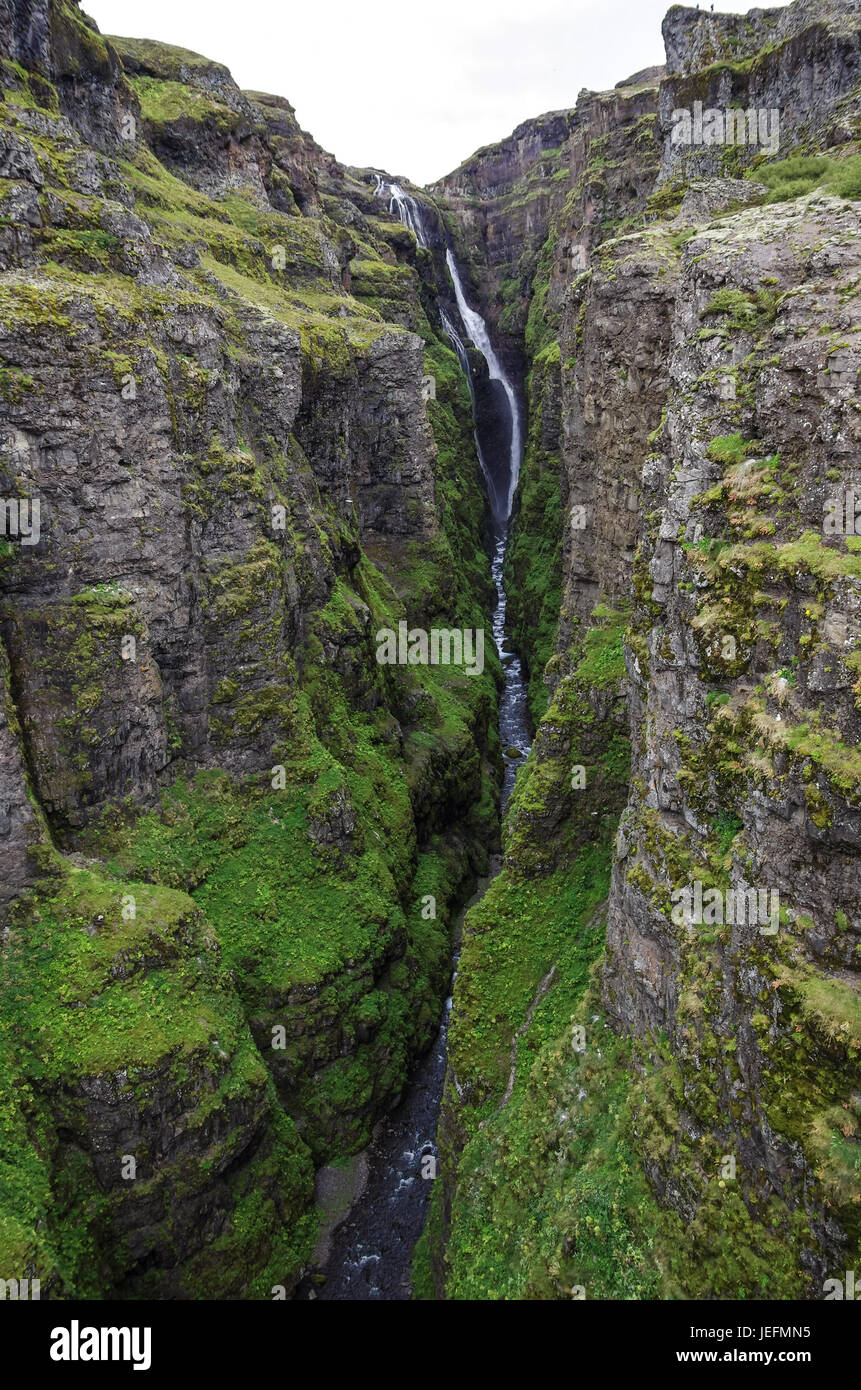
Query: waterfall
[(408, 210), (476, 329), (461, 354), (405, 207)]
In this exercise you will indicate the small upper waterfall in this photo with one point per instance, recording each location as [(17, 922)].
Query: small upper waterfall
[(403, 206), (501, 492)]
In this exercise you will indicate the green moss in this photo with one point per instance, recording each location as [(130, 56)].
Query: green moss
[(163, 59), (119, 986), (88, 1022), (163, 101), (533, 568), (552, 1198), (801, 174), (832, 1006), (836, 1151), (727, 825), (84, 248), (15, 384), (603, 661), (745, 312), (549, 1193), (541, 326), (730, 449), (27, 89), (511, 939), (78, 51), (667, 200)]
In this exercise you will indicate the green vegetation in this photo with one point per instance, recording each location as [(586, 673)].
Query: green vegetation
[(113, 988), (745, 312), (603, 660), (512, 938), (801, 174), (731, 449), (163, 102)]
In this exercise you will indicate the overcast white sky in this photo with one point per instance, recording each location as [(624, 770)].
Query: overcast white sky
[(410, 88)]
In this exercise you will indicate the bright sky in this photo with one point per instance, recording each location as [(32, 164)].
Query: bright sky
[(410, 88)]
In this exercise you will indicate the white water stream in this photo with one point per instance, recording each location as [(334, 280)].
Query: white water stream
[(409, 211), (478, 335)]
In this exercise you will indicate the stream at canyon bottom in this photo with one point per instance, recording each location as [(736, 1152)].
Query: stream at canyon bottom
[(369, 1255)]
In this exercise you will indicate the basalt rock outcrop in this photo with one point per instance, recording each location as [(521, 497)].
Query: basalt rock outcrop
[(798, 68)]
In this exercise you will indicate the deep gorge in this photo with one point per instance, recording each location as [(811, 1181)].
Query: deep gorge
[(236, 851)]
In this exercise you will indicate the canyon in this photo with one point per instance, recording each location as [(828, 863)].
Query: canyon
[(595, 393)]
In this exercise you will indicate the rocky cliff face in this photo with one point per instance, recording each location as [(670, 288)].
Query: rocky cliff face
[(501, 201), (220, 816), (798, 68), (665, 1106)]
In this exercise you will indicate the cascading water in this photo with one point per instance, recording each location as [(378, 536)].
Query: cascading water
[(370, 1253), (457, 343), (403, 206), (478, 335), (513, 727), (501, 481)]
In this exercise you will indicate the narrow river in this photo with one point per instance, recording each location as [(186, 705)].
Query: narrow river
[(369, 1255)]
